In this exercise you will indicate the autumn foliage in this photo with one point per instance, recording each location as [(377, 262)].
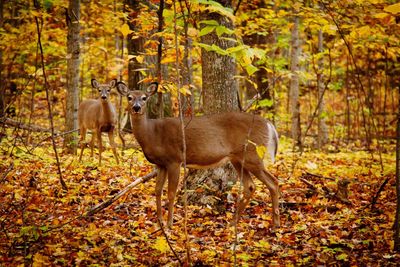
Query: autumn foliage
[(338, 198)]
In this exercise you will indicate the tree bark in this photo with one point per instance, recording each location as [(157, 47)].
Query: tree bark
[(2, 85), (397, 219), (322, 128), (73, 62), (294, 84), (219, 94)]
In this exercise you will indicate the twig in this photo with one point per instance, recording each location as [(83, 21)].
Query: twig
[(237, 7), (63, 184), (168, 242), (378, 193), (6, 172), (320, 176), (187, 243)]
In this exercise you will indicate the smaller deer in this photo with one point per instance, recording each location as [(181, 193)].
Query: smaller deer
[(210, 142), (99, 116)]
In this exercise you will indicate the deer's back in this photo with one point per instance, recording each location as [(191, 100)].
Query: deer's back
[(210, 140)]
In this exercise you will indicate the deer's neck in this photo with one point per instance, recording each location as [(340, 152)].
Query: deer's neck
[(107, 111), (141, 127)]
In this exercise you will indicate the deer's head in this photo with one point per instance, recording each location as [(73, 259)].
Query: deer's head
[(104, 89), (137, 99)]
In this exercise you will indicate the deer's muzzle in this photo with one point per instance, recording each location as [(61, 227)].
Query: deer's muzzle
[(136, 108)]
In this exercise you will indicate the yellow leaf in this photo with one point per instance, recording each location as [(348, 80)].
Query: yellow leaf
[(381, 15), (161, 245), (394, 9), (39, 260), (35, 13), (140, 59), (125, 30), (261, 151), (185, 90)]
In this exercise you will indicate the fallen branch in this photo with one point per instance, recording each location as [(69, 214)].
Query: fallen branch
[(20, 125), (320, 176), (378, 193), (107, 203), (341, 193)]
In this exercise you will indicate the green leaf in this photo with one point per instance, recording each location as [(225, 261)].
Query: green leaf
[(250, 69), (342, 257), (265, 103), (210, 22), (206, 30)]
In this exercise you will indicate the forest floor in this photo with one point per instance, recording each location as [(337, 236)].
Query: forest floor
[(326, 212)]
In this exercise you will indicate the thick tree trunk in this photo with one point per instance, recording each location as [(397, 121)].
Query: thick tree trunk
[(322, 128), (294, 84), (219, 94), (156, 107), (73, 61)]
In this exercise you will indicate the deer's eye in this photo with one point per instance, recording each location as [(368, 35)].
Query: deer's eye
[(144, 98), (130, 97)]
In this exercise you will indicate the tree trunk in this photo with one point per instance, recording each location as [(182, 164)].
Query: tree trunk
[(73, 61), (294, 84), (322, 128), (219, 94), (397, 220), (2, 85)]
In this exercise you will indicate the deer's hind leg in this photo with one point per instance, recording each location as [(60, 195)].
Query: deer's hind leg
[(271, 182), (248, 188)]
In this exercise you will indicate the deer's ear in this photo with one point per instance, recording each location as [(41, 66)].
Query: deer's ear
[(122, 88), (113, 83), (152, 89), (95, 83)]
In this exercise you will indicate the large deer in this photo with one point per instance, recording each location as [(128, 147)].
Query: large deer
[(210, 142), (99, 116)]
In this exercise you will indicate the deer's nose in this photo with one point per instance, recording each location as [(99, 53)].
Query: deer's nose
[(104, 97), (136, 107)]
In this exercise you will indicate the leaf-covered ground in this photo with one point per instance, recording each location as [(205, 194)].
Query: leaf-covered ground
[(321, 225)]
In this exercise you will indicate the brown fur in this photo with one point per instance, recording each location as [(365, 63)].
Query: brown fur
[(99, 116), (210, 141)]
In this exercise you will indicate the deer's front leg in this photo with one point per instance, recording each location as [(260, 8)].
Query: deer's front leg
[(82, 141), (160, 181), (173, 181), (113, 145), (100, 145)]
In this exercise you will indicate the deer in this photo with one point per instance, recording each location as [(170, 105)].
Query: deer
[(99, 116), (211, 141)]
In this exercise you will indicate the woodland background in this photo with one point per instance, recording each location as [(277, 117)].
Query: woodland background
[(325, 72)]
